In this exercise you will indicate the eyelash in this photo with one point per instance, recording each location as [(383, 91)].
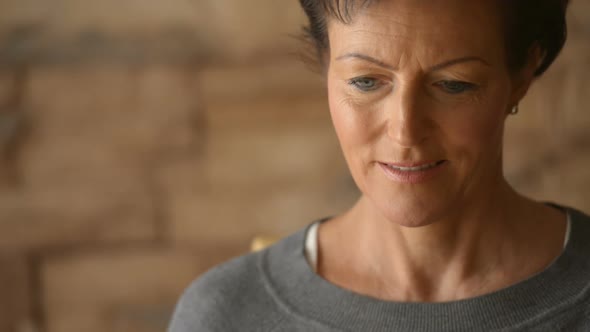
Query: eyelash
[(355, 83), (450, 87)]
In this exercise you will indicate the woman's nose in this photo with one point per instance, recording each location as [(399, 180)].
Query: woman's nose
[(408, 122)]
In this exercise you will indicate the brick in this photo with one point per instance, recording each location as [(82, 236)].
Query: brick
[(248, 30), (565, 181), (573, 184), (227, 30), (271, 121), (579, 18), (98, 135), (539, 117), (119, 290), (134, 113), (553, 122), (12, 122), (119, 29), (556, 173), (18, 13), (234, 208), (75, 215), (270, 167), (6, 85), (16, 300), (276, 78), (236, 214), (271, 162), (114, 17), (274, 139)]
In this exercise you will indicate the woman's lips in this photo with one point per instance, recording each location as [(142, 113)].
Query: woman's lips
[(412, 172)]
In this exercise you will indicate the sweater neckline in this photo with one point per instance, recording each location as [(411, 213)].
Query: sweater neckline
[(312, 246), (307, 295)]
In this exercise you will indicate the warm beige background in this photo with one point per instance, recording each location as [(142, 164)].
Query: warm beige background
[(141, 142)]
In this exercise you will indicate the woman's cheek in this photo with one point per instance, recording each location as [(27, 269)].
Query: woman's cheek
[(352, 123), (486, 121), (478, 133), (343, 118), (353, 119)]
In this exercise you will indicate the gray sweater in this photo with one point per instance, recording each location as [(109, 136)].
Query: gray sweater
[(277, 290)]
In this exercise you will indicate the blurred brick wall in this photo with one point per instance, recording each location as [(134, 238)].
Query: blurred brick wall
[(142, 142)]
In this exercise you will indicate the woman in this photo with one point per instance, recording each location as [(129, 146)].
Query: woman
[(419, 92)]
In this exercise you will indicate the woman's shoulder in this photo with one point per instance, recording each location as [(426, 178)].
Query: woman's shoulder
[(215, 282), (230, 295), (219, 294), (243, 271)]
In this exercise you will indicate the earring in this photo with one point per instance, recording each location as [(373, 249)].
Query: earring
[(514, 110)]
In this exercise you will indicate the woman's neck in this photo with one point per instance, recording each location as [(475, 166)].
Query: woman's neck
[(478, 250)]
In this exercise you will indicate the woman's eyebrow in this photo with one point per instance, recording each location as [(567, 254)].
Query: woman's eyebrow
[(458, 60), (366, 58), (392, 68)]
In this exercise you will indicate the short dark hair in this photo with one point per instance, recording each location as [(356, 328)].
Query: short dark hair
[(527, 23)]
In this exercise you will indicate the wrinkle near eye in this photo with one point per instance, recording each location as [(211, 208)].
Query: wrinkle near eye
[(359, 101), (348, 103)]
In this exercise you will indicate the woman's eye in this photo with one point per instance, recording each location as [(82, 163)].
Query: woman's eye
[(364, 83), (456, 87)]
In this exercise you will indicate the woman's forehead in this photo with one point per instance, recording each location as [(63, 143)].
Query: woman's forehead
[(425, 27)]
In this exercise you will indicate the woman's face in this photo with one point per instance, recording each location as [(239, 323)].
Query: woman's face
[(418, 93)]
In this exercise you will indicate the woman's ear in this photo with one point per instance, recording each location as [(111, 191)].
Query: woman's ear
[(524, 77)]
